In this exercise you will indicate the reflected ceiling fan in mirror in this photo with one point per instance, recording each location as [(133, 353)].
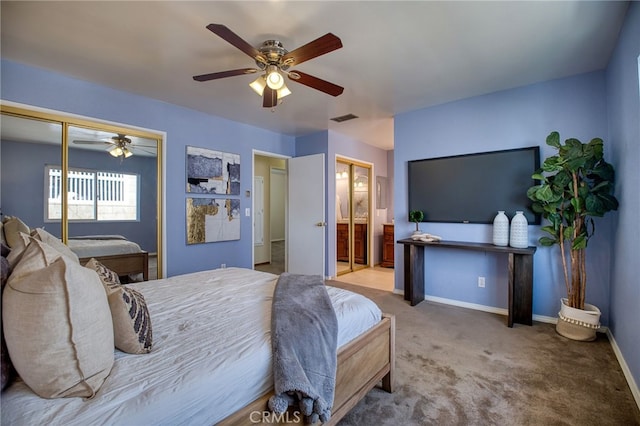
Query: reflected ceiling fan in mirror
[(119, 146), (274, 60)]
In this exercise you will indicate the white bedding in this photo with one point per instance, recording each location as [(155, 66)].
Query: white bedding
[(211, 355), (102, 247)]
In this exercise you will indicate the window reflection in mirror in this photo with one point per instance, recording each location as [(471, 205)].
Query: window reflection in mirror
[(112, 191)]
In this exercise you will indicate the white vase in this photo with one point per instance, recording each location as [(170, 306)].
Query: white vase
[(519, 235), (501, 229), (578, 324)]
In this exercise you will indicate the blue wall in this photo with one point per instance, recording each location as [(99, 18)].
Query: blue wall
[(26, 177), (503, 120), (623, 96), (45, 89)]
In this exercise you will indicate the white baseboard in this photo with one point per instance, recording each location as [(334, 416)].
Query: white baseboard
[(625, 368), (474, 306), (478, 307), (544, 318), (551, 320)]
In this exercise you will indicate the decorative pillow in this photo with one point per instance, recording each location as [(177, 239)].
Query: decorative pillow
[(8, 372), (19, 245), (12, 227), (57, 324), (131, 320), (55, 242), (33, 259)]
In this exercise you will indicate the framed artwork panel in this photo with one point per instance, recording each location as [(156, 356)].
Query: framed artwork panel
[(212, 172), (211, 220)]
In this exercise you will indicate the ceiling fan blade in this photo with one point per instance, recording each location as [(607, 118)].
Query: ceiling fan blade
[(83, 142), (233, 39), (325, 44), (316, 83), (223, 74), (138, 148), (269, 97)]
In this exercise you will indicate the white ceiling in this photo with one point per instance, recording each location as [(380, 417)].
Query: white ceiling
[(397, 56)]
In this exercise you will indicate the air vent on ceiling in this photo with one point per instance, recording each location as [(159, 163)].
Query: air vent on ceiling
[(344, 118)]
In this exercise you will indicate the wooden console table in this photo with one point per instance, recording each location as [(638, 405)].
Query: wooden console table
[(520, 274)]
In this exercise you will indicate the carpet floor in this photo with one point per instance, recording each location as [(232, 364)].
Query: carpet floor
[(457, 366)]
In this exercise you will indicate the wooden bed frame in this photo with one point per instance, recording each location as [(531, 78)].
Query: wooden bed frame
[(362, 364), (125, 264)]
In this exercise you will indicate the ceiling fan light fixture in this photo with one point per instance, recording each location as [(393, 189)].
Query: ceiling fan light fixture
[(283, 91), (116, 151), (274, 78), (274, 60), (258, 85), (120, 151)]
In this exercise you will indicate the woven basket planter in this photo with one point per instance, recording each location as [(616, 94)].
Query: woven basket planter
[(578, 324)]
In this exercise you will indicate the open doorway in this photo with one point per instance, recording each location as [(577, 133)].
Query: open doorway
[(269, 213)]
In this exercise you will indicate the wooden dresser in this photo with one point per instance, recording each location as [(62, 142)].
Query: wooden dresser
[(359, 243), (388, 245), (342, 242)]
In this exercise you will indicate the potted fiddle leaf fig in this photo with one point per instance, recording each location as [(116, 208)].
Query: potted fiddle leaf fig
[(416, 216), (576, 185)]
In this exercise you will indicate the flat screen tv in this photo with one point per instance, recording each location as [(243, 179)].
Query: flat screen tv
[(472, 188)]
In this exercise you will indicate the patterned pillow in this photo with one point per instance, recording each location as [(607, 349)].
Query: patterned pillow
[(131, 320)]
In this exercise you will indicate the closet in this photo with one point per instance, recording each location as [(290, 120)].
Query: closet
[(77, 177), (353, 223)]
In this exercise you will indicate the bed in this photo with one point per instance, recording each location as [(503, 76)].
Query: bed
[(211, 358), (122, 256)]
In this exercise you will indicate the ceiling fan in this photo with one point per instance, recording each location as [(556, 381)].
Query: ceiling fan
[(119, 145), (272, 58)]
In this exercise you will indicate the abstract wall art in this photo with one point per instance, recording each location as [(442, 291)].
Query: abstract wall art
[(212, 172), (212, 219)]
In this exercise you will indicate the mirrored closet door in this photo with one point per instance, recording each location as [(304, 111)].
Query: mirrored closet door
[(353, 227), (95, 186)]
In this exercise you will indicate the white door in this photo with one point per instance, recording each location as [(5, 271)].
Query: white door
[(306, 220)]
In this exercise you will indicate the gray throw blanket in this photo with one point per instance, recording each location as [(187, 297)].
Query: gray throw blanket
[(304, 335)]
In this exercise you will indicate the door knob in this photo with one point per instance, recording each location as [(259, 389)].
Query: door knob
[(321, 224)]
